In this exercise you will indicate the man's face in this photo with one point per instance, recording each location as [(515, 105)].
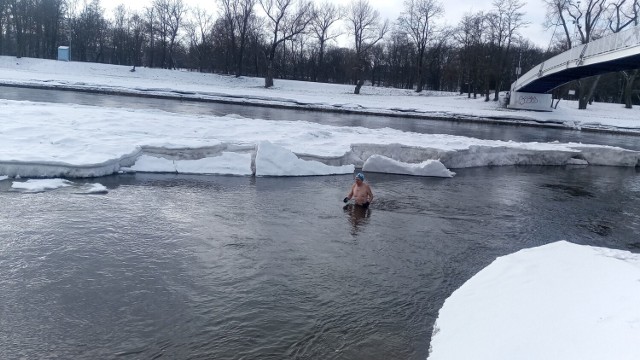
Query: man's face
[(358, 181)]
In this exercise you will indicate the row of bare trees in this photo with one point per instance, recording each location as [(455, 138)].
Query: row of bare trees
[(298, 39), (583, 21)]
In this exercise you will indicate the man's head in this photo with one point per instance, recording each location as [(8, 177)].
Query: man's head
[(359, 177)]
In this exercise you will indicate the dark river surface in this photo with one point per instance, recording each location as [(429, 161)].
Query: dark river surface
[(218, 267), (212, 267)]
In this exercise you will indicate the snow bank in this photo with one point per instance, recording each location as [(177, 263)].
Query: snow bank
[(272, 160), (3, 177), (225, 164), (58, 140), (106, 78), (383, 164), (557, 301)]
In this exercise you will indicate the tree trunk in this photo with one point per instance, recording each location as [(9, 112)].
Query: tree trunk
[(587, 87), (358, 86), (359, 79), (240, 57), (487, 90), (320, 67), (628, 88), (420, 72), (268, 79)]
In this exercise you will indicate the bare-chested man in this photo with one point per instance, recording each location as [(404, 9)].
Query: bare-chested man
[(360, 192)]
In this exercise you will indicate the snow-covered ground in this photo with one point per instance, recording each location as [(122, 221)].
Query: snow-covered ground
[(557, 301), (560, 301), (47, 140), (184, 84), (53, 140)]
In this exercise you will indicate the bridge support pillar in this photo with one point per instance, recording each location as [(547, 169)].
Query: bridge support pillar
[(530, 101)]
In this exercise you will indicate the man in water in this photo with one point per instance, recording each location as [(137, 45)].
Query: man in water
[(360, 192)]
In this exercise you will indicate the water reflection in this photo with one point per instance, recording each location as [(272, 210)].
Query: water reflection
[(358, 216)]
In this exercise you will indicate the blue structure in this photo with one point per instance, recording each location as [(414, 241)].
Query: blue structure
[(64, 53)]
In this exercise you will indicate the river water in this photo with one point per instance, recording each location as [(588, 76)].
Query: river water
[(213, 267), (216, 267)]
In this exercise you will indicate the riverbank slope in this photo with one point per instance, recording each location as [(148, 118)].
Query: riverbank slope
[(162, 83)]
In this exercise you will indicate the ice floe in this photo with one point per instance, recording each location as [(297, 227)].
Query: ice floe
[(272, 160), (38, 185), (86, 141), (383, 164)]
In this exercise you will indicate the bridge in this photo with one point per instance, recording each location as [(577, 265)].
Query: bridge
[(615, 52)]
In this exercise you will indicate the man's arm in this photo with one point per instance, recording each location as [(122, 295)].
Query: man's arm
[(350, 195), (370, 193)]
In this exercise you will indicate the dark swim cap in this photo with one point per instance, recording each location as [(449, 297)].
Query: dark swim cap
[(360, 176)]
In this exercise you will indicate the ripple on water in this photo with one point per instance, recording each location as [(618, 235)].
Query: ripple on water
[(219, 267)]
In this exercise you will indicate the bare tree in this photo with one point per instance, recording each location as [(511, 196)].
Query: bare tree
[(3, 23), (175, 17), (119, 34), (19, 11), (470, 36), (136, 39), (228, 17), (161, 28), (504, 21), (326, 15), (244, 18), (285, 20), (199, 33), (50, 18), (621, 17), (89, 32), (237, 17), (150, 19), (586, 18), (367, 30), (417, 21)]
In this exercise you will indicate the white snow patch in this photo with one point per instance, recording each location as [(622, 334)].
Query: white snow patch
[(147, 163), (66, 140), (3, 177), (227, 163), (573, 161), (92, 189), (557, 301), (273, 160), (383, 164), (298, 94), (37, 185)]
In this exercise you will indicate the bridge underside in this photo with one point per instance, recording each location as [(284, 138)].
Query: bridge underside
[(552, 81)]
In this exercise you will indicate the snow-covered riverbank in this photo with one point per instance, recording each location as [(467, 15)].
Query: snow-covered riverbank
[(299, 94)]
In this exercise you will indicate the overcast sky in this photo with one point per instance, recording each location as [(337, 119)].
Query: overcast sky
[(454, 10)]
